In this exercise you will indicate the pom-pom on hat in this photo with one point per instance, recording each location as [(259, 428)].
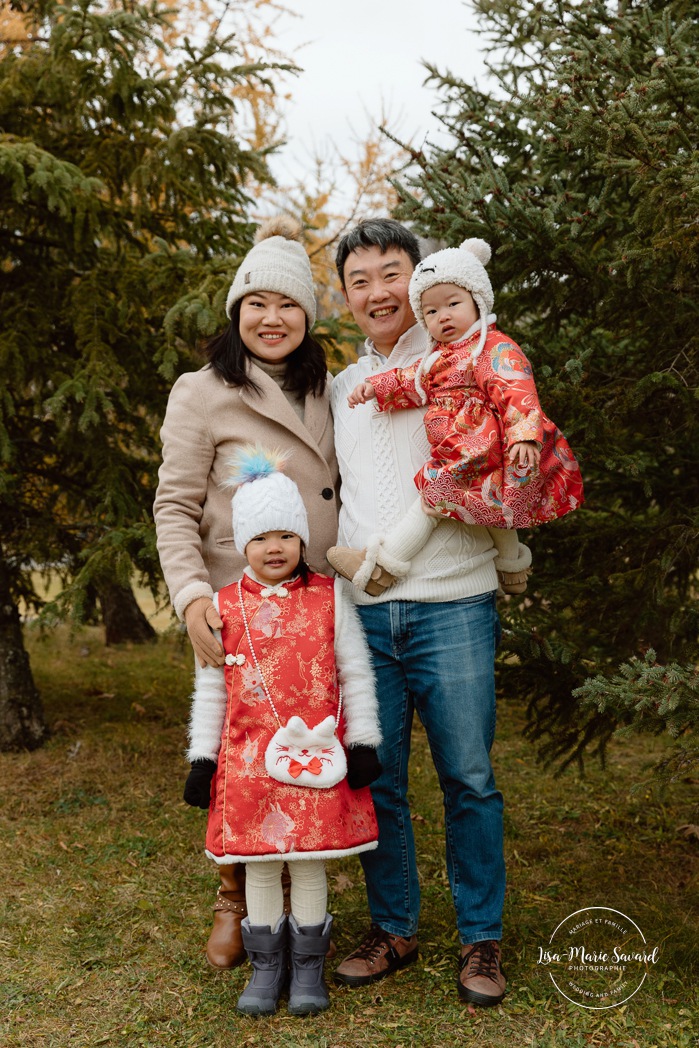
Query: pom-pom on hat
[(277, 262), (265, 499), (463, 266)]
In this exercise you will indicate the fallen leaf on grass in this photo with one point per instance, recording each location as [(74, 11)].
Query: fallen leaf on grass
[(417, 818), (689, 830), (341, 883), (139, 710)]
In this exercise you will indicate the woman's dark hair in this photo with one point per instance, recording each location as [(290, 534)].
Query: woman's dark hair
[(306, 368)]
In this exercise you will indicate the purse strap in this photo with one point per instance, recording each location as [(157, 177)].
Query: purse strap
[(259, 669)]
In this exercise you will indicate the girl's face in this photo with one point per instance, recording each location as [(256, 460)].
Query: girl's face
[(449, 312), (271, 325), (274, 555)]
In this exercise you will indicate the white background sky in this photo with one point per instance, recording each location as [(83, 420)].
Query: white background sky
[(362, 56)]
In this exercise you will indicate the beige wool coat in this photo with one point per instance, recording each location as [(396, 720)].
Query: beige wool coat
[(205, 422)]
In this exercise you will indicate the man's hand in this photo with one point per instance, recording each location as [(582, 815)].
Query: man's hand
[(526, 454), (361, 393), (200, 618)]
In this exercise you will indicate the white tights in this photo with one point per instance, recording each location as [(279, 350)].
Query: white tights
[(265, 899)]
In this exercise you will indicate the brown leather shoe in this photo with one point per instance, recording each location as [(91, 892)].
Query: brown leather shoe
[(225, 948), (481, 979), (378, 955)]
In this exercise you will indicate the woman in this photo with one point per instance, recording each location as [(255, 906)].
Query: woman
[(266, 382)]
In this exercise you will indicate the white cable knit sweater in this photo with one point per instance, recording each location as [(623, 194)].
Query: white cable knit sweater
[(389, 448)]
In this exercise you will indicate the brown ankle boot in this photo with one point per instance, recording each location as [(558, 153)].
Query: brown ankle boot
[(225, 948)]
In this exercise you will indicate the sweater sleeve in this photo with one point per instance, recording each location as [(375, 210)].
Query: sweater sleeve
[(208, 709), (188, 454), (354, 673)]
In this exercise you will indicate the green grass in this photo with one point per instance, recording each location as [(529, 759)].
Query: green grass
[(106, 892)]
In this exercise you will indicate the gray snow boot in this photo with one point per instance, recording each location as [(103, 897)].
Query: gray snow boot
[(269, 956), (308, 945)]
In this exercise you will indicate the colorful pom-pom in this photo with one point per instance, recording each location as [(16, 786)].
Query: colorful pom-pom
[(253, 462)]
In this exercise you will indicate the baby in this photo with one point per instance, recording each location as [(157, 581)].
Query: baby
[(496, 460)]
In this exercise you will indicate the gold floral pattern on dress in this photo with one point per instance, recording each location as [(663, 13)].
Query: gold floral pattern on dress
[(253, 815), (474, 414)]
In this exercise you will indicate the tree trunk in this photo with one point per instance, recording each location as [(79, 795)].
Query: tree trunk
[(22, 725), (123, 619)]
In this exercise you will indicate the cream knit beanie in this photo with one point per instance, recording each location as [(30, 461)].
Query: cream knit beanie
[(277, 262), (266, 499), (463, 266)]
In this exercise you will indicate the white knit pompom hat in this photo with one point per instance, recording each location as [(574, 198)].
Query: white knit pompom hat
[(277, 262), (265, 499), (463, 266)]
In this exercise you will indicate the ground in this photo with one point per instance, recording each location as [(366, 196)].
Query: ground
[(107, 893)]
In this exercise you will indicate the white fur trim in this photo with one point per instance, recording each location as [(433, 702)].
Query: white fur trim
[(521, 562), (354, 672), (208, 713), (363, 574), (331, 853), (208, 709), (399, 568), (188, 595)]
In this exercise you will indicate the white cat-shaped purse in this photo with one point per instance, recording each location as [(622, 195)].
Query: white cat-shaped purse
[(301, 756)]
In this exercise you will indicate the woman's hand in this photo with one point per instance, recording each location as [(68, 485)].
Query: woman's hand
[(361, 393), (200, 618), (526, 454)]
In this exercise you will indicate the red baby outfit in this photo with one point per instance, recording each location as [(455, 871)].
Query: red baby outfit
[(475, 413), (253, 816)]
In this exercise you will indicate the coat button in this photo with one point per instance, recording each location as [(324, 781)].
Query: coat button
[(327, 493)]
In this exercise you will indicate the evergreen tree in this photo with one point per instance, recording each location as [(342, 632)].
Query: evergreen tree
[(123, 202), (580, 166)]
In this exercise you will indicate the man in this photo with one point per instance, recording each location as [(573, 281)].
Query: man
[(433, 637)]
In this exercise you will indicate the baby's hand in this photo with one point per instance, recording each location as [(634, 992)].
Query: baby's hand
[(361, 393), (526, 455)]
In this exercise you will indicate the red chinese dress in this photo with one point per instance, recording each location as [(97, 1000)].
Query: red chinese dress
[(253, 816), (475, 413)]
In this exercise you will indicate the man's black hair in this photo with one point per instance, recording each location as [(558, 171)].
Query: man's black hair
[(383, 233)]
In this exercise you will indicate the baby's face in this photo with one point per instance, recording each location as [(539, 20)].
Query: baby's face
[(449, 312)]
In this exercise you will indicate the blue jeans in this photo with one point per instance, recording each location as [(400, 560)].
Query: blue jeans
[(438, 659)]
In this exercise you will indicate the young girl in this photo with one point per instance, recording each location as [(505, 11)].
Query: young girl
[(497, 460), (267, 734)]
